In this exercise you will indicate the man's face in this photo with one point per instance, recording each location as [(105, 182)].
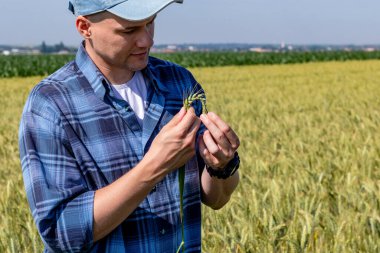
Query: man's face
[(121, 44)]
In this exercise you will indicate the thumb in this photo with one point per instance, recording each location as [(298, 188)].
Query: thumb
[(177, 118)]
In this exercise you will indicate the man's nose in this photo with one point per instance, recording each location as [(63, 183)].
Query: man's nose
[(146, 38)]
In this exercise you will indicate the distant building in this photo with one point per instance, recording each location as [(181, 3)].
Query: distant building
[(259, 50), (63, 52), (369, 49), (172, 47)]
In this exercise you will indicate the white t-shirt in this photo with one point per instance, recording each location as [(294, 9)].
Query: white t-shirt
[(135, 93)]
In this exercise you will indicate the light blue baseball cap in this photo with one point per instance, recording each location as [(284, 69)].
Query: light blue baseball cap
[(133, 10)]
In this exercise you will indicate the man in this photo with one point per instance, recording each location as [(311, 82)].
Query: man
[(101, 141)]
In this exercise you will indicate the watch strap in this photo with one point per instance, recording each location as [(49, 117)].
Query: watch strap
[(227, 171)]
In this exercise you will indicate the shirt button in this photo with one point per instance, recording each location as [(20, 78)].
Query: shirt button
[(154, 189), (163, 231)]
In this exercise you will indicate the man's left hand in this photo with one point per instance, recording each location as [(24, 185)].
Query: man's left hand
[(218, 143)]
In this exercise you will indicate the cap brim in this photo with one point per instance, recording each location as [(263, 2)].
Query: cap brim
[(136, 10)]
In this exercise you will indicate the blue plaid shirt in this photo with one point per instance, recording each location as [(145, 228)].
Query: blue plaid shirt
[(76, 137)]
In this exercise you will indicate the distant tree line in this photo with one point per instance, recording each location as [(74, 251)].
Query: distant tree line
[(49, 49), (31, 65)]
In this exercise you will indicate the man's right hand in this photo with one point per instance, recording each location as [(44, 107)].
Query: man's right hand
[(172, 148), (175, 144)]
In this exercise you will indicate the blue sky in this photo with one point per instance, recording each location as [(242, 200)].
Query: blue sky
[(211, 21)]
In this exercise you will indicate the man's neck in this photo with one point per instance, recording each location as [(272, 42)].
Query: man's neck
[(116, 76)]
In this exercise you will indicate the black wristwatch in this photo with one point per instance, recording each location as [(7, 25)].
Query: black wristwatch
[(227, 171)]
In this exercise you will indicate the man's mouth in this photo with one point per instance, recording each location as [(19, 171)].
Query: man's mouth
[(140, 53)]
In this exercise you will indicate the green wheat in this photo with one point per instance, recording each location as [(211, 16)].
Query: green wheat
[(189, 99)]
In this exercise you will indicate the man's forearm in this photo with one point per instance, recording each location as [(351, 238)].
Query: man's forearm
[(170, 149), (217, 192), (115, 202)]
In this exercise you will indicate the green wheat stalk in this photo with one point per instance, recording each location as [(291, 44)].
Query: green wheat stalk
[(188, 100)]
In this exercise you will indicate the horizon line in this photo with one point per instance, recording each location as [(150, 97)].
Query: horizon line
[(217, 43)]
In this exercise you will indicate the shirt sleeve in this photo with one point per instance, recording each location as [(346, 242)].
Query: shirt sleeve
[(61, 204)]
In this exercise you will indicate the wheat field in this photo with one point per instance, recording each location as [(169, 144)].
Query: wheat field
[(310, 153)]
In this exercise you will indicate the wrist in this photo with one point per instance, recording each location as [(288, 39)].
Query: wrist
[(152, 170), (227, 171)]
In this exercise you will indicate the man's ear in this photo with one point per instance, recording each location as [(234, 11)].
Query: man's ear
[(83, 26)]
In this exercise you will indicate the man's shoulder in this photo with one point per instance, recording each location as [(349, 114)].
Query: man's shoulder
[(57, 80), (62, 75), (50, 90)]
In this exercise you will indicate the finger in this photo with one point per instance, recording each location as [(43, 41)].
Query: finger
[(177, 118), (216, 133), (201, 146), (226, 129), (212, 146), (187, 120), (205, 154), (195, 127), (192, 134), (190, 137)]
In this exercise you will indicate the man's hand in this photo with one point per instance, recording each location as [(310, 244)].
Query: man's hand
[(172, 147), (217, 147), (175, 144), (219, 142)]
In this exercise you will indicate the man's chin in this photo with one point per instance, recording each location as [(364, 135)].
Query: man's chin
[(137, 67)]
